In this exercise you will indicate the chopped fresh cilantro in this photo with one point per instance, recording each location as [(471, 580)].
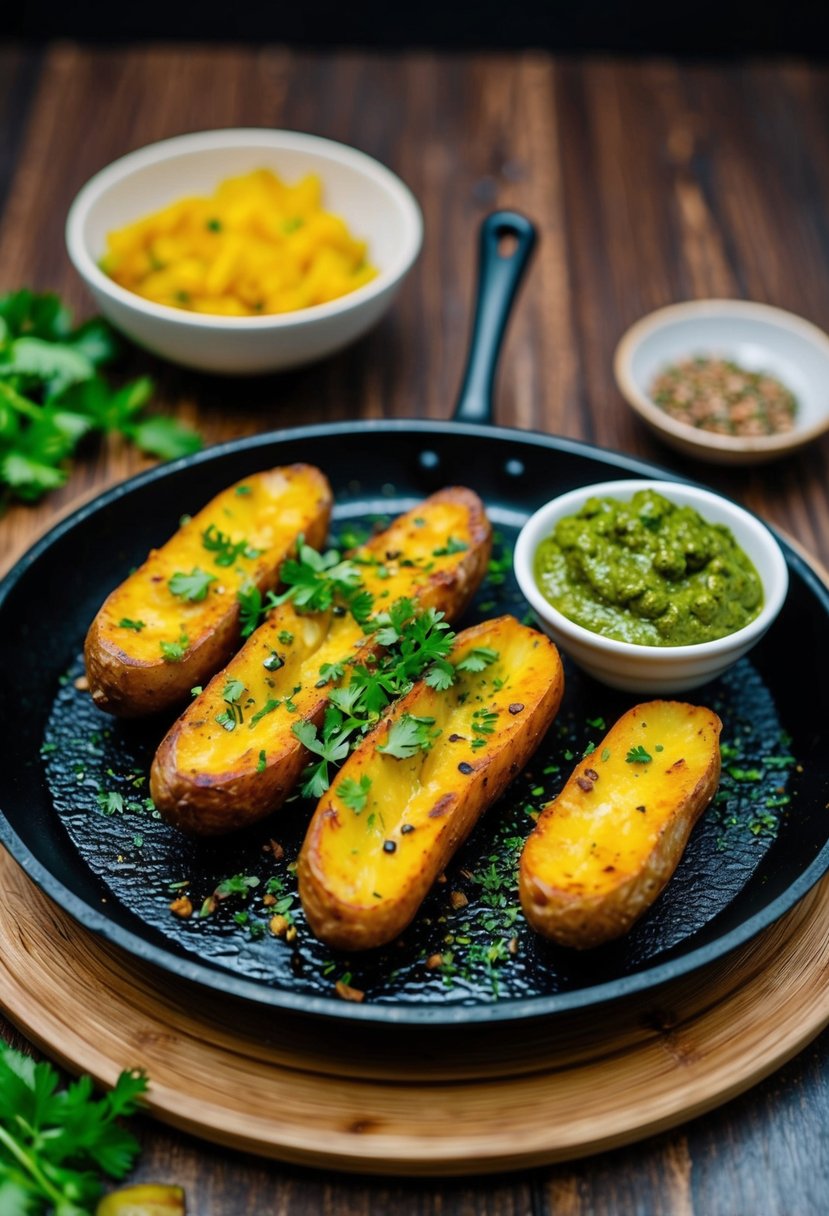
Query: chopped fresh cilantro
[(354, 794), (250, 608), (193, 586), (266, 709), (126, 623), (638, 755), (261, 763), (452, 546), (226, 552), (408, 735), (111, 803), (478, 658), (173, 652), (284, 637)]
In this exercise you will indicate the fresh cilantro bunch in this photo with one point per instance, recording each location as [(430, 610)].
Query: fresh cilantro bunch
[(54, 1142), (52, 394)]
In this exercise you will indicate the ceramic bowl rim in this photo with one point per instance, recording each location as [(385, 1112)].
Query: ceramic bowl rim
[(691, 436), (240, 137)]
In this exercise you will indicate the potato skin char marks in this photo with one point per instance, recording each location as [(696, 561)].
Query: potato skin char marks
[(186, 596), (415, 787), (204, 777)]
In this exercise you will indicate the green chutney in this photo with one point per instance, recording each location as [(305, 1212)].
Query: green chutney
[(648, 571)]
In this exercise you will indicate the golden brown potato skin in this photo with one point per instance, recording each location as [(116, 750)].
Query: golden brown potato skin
[(604, 849), (127, 671), (207, 781), (361, 881)]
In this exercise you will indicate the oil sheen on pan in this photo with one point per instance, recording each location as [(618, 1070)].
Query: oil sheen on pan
[(469, 944)]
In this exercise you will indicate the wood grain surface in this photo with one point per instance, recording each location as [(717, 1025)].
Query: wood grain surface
[(275, 1085), (650, 182)]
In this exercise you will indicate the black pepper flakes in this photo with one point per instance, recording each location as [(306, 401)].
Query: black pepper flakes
[(592, 774), (457, 738), (465, 768), (584, 784), (389, 846), (407, 827), (516, 707)]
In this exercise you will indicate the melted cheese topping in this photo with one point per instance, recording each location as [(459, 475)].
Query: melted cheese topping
[(266, 511)]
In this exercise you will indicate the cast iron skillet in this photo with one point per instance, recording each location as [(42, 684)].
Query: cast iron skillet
[(754, 855)]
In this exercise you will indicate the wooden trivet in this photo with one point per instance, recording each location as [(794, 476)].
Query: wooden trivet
[(500, 1097)]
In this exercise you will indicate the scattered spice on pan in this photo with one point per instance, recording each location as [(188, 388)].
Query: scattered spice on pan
[(718, 395)]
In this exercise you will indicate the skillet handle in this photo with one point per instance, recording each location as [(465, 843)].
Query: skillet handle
[(499, 275)]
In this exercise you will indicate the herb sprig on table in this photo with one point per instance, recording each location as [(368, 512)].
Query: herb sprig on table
[(54, 1142), (53, 394)]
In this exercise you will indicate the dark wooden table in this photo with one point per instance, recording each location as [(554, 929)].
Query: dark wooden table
[(651, 182)]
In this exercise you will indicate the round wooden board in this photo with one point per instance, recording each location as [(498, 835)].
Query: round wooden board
[(314, 1094)]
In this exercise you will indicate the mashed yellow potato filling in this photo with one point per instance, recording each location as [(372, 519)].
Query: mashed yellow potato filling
[(256, 246)]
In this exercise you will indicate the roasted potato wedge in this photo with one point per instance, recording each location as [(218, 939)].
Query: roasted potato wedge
[(210, 777), (175, 620), (603, 850), (385, 830)]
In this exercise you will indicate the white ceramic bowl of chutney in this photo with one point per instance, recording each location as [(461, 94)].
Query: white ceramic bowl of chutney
[(641, 667)]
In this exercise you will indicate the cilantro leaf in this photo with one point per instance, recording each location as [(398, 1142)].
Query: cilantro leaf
[(173, 652), (227, 552), (478, 659), (193, 586), (53, 1139), (52, 395), (250, 608), (638, 755), (407, 736), (166, 438), (354, 794)]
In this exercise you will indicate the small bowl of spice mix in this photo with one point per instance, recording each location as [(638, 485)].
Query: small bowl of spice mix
[(727, 381)]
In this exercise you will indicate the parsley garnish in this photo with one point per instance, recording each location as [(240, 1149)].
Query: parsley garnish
[(315, 581), (226, 551), (332, 747), (261, 763), (193, 586), (407, 736), (354, 794), (250, 608), (284, 637), (452, 546), (111, 803), (478, 659), (232, 690), (53, 1140), (53, 395), (638, 755), (267, 708), (174, 652), (126, 623)]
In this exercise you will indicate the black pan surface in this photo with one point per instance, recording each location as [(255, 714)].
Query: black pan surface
[(73, 783), (759, 849)]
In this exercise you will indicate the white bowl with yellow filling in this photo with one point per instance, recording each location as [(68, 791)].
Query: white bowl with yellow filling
[(173, 318)]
